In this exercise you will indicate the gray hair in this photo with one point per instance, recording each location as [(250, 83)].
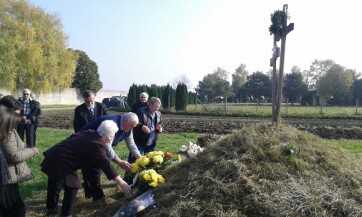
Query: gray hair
[(131, 117), (26, 90), (155, 100), (144, 94), (88, 93), (107, 128)]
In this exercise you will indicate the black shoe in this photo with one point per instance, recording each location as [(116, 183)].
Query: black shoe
[(87, 193)]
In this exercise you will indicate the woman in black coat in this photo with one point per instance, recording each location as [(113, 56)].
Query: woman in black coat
[(64, 159)]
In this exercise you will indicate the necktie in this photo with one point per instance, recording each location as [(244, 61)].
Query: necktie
[(91, 113)]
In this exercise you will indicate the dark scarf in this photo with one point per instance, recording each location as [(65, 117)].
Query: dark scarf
[(7, 196)]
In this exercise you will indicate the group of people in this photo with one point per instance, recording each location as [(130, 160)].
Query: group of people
[(90, 149)]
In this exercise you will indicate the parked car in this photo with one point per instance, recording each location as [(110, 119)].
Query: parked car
[(114, 101)]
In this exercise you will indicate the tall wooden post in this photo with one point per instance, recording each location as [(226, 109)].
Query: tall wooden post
[(273, 62), (285, 30)]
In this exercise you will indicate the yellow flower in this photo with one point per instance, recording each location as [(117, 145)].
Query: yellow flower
[(154, 175), (161, 179), (153, 184), (157, 159), (179, 158), (143, 161), (151, 177), (154, 153), (147, 177), (134, 168)]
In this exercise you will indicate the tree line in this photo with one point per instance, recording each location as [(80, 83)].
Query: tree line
[(170, 97), (326, 82)]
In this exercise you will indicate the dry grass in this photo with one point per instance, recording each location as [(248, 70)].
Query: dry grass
[(260, 170), (264, 171)]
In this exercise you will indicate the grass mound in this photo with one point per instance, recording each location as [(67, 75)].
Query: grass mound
[(262, 170)]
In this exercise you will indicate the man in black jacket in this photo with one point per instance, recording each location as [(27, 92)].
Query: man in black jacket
[(146, 132), (28, 113), (142, 103), (85, 113), (88, 111)]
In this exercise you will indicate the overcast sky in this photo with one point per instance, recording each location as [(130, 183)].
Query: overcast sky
[(157, 41)]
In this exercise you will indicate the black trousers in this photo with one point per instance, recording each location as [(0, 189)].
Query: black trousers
[(36, 123), (92, 182), (17, 208), (70, 195), (28, 129)]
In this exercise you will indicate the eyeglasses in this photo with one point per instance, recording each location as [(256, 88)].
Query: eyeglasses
[(25, 94)]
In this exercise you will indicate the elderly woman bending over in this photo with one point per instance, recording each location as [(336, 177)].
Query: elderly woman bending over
[(64, 159)]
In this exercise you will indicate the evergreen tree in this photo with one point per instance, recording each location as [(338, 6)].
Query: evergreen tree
[(181, 97), (86, 74), (132, 97), (167, 94)]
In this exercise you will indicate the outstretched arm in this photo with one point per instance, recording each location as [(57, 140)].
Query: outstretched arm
[(122, 184)]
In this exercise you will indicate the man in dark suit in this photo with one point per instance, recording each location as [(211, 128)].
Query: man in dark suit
[(28, 113), (88, 111), (85, 113)]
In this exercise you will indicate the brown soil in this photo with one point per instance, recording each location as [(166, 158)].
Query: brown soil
[(325, 128)]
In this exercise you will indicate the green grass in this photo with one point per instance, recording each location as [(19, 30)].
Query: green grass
[(265, 110), (46, 138), (354, 146)]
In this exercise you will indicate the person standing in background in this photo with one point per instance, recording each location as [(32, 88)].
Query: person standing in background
[(142, 103), (36, 117), (85, 113), (28, 113), (88, 111), (146, 132)]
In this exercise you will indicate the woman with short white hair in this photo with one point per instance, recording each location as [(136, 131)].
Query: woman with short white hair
[(62, 161)]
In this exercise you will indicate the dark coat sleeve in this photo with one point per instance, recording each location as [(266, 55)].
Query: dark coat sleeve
[(101, 109), (78, 120), (81, 117)]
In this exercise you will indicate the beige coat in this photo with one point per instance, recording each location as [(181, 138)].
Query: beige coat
[(16, 156)]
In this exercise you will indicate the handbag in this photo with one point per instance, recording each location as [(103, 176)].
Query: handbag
[(23, 173)]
